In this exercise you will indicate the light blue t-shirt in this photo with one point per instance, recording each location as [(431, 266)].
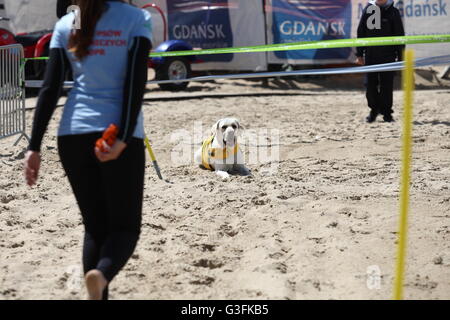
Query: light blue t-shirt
[(95, 101)]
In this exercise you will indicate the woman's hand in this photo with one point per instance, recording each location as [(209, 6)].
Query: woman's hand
[(32, 165), (112, 153)]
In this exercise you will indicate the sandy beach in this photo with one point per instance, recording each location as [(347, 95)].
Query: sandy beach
[(311, 224)]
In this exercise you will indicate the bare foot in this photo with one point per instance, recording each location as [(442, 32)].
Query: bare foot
[(95, 284)]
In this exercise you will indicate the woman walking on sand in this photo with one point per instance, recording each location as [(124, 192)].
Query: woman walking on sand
[(108, 56)]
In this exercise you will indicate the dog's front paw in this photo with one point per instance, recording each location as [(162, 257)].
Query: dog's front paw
[(223, 174)]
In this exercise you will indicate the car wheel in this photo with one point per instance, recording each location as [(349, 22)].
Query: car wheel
[(174, 69)]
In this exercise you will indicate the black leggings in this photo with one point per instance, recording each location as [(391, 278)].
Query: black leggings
[(109, 196)]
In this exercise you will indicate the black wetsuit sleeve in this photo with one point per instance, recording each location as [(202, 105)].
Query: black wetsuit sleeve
[(61, 7), (399, 30), (134, 87), (361, 33), (48, 96)]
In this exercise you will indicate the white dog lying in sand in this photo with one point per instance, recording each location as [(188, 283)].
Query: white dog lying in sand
[(220, 152)]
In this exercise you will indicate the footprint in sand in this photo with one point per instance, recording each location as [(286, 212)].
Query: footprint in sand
[(207, 263)]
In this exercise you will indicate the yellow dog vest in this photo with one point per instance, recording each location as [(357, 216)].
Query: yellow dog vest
[(215, 153)]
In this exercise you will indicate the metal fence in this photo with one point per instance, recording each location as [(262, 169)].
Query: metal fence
[(12, 92)]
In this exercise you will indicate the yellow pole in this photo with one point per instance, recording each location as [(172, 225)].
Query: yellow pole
[(408, 87), (152, 156)]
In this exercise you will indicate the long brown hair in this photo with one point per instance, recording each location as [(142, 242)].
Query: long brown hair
[(80, 40)]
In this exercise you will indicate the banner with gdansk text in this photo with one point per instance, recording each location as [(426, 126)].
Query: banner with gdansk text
[(210, 24), (315, 20), (308, 20)]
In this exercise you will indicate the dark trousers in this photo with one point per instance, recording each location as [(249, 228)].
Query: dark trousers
[(109, 196), (380, 92)]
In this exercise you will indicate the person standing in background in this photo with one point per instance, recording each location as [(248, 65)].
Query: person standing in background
[(380, 85)]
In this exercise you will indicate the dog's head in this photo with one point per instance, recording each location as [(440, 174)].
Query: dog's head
[(226, 131)]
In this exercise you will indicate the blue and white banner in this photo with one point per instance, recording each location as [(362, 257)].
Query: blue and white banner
[(299, 20), (212, 24), (309, 20), (203, 24)]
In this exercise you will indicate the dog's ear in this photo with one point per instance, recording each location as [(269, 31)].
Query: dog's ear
[(215, 127), (240, 126)]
